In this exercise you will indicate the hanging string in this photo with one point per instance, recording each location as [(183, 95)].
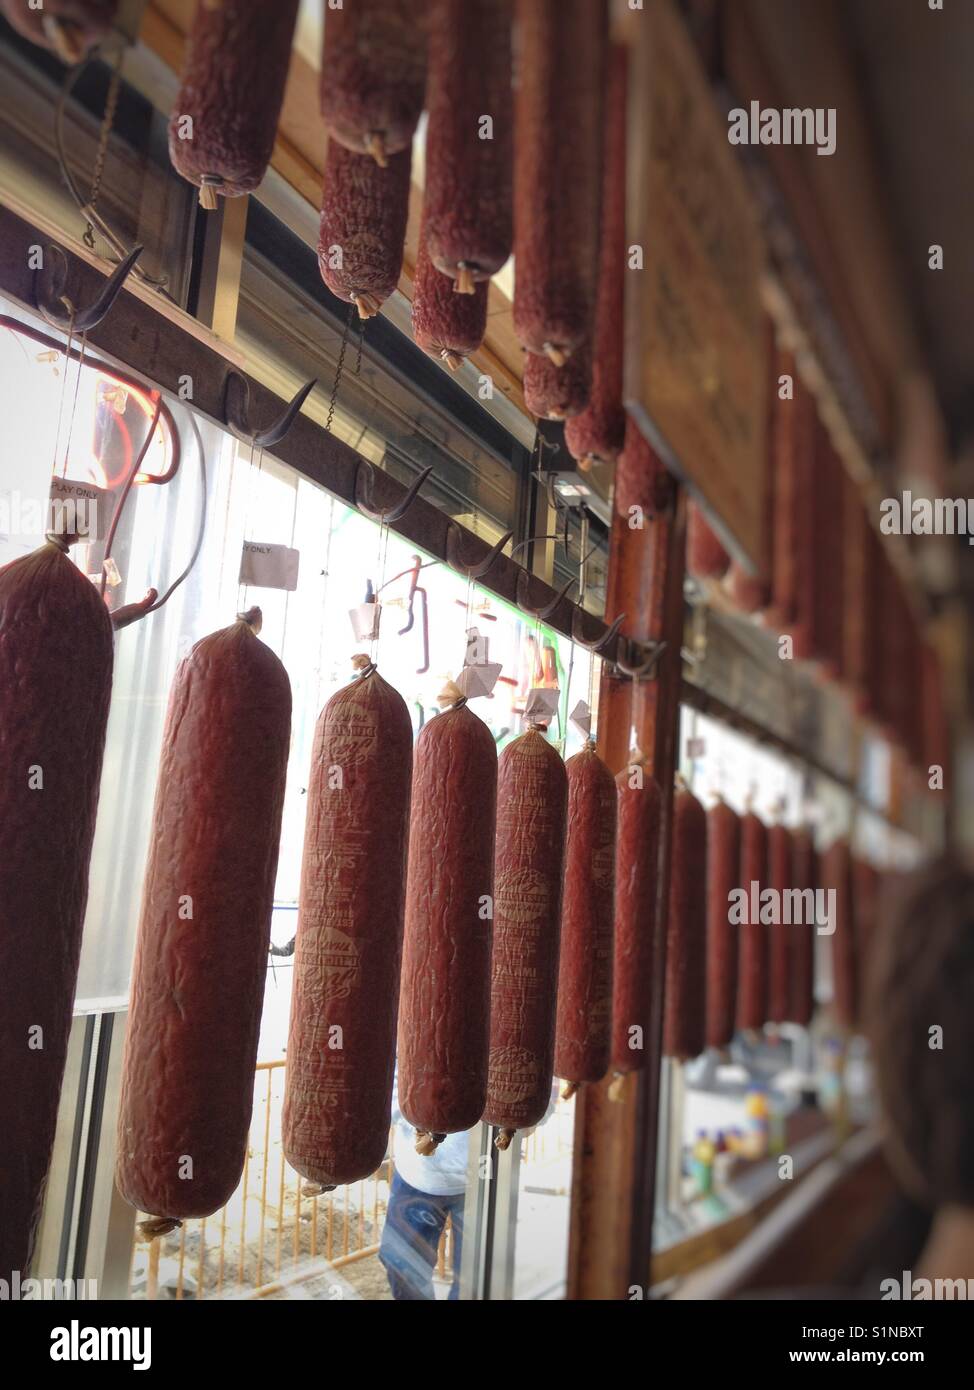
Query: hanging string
[(287, 595), (63, 392), (253, 478), (74, 400), (380, 569)]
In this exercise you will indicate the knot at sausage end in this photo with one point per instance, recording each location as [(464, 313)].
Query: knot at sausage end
[(157, 1226)]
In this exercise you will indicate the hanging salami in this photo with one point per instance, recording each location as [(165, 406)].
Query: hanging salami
[(468, 192), (55, 686), (584, 1015), (444, 1018), (224, 121), (532, 796), (684, 999), (201, 953), (341, 1047)]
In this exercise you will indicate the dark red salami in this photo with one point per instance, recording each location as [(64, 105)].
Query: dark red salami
[(224, 121), (598, 433), (345, 996), (752, 976), (557, 171), (201, 954), (584, 1015), (447, 325), (55, 686), (532, 799), (801, 937), (723, 875), (469, 138), (444, 1006), (373, 75), (684, 1000), (557, 393), (364, 209), (835, 872), (781, 879)]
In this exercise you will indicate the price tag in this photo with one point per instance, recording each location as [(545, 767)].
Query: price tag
[(476, 681), (78, 511), (542, 704), (581, 718), (269, 566), (365, 621)]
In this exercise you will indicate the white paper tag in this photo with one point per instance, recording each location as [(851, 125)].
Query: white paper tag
[(477, 681), (78, 511), (269, 566), (542, 703), (581, 718), (365, 621)]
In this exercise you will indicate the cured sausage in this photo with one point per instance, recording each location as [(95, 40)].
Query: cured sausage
[(444, 1005), (789, 417), (341, 1047), (598, 433), (373, 75), (532, 799), (557, 393), (448, 326), (55, 686), (752, 976), (638, 826), (69, 27), (706, 556), (201, 953), (364, 208), (780, 878), (723, 871), (557, 180), (801, 936), (684, 999), (584, 1013), (468, 192), (866, 890), (835, 869), (224, 123)]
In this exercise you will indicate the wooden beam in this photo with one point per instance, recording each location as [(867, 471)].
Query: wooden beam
[(614, 1175)]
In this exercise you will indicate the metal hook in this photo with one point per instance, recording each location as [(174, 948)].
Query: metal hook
[(236, 412), (478, 568), (384, 516), (542, 614), (52, 305), (647, 668), (600, 643)]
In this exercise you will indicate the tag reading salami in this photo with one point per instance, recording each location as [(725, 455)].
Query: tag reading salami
[(269, 566), (542, 703), (77, 511)]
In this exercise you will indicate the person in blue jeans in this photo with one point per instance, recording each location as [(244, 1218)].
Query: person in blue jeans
[(423, 1193)]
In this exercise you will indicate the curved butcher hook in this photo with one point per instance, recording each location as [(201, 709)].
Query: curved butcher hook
[(384, 516), (478, 568), (599, 644), (236, 412), (545, 612), (54, 306), (641, 670)]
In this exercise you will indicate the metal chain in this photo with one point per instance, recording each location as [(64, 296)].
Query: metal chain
[(108, 121), (339, 368)]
